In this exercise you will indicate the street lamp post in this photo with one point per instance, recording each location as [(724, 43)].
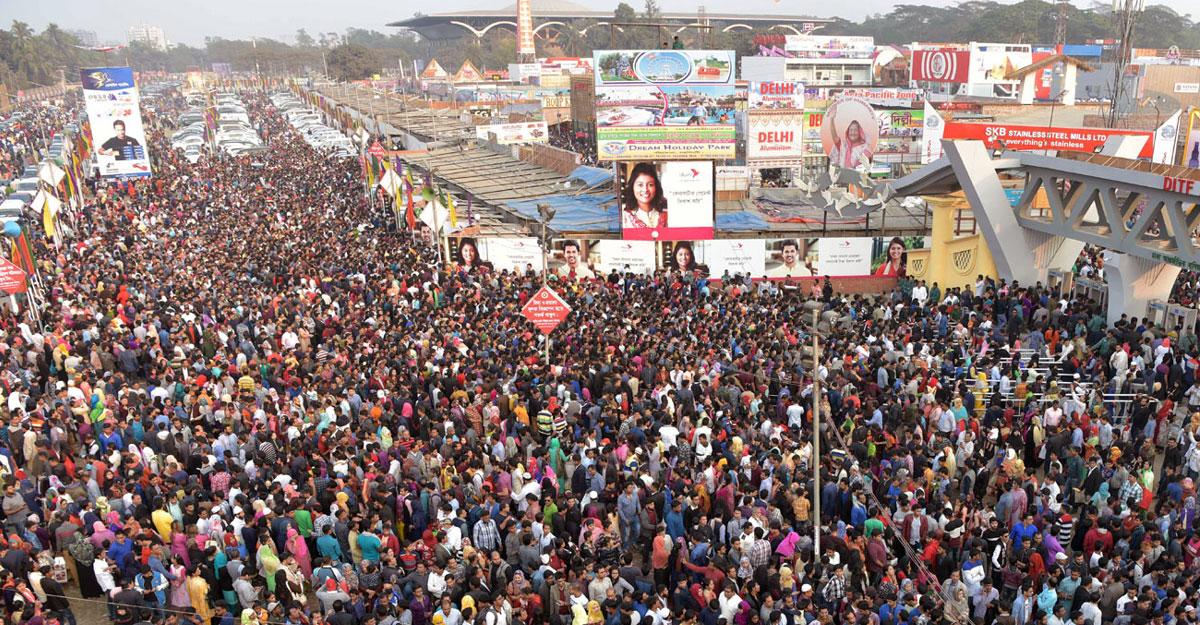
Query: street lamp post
[(546, 212)]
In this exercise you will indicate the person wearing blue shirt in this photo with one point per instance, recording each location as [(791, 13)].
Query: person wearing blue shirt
[(119, 549), (370, 544), (674, 520), (109, 439), (1022, 532), (328, 546)]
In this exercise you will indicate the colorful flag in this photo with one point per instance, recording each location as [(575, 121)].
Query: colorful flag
[(453, 213), (410, 215)]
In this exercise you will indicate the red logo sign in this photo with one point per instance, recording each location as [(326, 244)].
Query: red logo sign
[(12, 278), (376, 150), (941, 65), (546, 310)]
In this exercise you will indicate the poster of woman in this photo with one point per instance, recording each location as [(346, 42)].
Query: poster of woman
[(850, 133), (666, 201)]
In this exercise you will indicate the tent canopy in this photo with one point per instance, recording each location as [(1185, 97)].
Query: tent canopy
[(584, 213)]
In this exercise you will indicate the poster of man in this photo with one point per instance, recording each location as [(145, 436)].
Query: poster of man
[(121, 146), (573, 261), (113, 108), (787, 261)]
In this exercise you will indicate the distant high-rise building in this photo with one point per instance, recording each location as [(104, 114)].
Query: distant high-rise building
[(85, 37), (152, 35)]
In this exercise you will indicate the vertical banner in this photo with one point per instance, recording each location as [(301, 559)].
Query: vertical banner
[(111, 100), (1165, 140), (931, 138), (1191, 144)]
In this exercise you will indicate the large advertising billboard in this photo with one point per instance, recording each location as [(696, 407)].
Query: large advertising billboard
[(1191, 144), (992, 63), (1016, 137), (506, 134), (665, 104), (111, 101), (775, 124), (482, 255), (666, 201), (585, 259), (781, 259)]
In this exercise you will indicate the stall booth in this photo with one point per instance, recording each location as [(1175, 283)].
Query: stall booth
[(1087, 288), (1171, 316), (1060, 280)]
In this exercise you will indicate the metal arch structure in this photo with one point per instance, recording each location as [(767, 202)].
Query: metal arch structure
[(1144, 221), (480, 33), (787, 26), (687, 26), (733, 26), (545, 24)]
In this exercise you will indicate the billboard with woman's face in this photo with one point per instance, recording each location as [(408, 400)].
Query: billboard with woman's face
[(850, 133), (666, 201)]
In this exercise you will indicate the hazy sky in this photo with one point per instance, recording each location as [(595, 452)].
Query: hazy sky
[(189, 21)]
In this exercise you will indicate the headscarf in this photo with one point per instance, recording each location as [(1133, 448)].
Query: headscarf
[(745, 571), (594, 614), (580, 615)]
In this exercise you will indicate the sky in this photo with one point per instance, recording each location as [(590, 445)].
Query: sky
[(190, 21)]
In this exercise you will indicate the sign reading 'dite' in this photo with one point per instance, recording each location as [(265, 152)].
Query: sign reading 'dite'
[(546, 310)]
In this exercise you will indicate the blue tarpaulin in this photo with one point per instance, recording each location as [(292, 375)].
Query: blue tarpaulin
[(744, 220), (584, 213), (591, 176)]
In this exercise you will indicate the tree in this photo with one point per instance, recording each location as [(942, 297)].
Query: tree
[(352, 62), (652, 12), (304, 40)]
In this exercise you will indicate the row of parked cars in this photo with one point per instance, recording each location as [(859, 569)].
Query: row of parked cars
[(308, 123), (234, 135), (17, 204)]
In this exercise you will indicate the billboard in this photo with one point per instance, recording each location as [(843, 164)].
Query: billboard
[(496, 254), (992, 63), (775, 138), (775, 95), (941, 65), (507, 134), (1016, 137), (665, 201), (665, 104), (822, 47), (850, 133), (862, 256), (111, 100), (931, 137)]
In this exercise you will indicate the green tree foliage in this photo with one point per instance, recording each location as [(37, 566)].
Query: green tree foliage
[(352, 61)]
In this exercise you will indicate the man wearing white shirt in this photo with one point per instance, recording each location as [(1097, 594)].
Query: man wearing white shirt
[(920, 293)]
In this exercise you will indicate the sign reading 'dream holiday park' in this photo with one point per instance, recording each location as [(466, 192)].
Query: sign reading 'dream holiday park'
[(664, 104), (1043, 138), (546, 310)]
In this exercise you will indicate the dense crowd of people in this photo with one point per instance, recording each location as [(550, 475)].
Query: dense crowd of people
[(256, 400)]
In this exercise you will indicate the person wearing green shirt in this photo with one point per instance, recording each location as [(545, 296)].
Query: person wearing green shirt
[(676, 44), (872, 526), (304, 523)]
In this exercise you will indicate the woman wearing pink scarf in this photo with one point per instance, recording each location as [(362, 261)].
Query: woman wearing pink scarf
[(298, 548), (179, 545), (100, 534)]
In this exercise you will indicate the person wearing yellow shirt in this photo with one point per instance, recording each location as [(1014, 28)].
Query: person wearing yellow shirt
[(162, 521)]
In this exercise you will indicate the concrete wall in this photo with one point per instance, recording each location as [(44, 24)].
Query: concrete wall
[(951, 261)]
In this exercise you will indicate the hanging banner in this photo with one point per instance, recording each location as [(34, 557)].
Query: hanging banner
[(517, 255), (1165, 140), (111, 101), (1042, 138), (734, 257), (625, 256), (931, 138)]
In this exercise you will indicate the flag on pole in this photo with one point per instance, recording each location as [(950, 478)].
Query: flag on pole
[(410, 214), (453, 213)]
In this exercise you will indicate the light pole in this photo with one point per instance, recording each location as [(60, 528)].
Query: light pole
[(546, 213), (816, 413)]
